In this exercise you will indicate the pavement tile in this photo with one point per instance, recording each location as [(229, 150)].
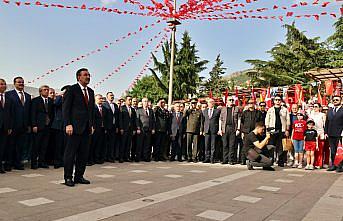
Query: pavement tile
[(109, 167), (269, 188), (141, 182), (295, 175), (32, 175), (284, 181), (215, 215), (173, 176), (7, 190), (98, 190), (35, 202), (196, 171), (138, 171), (247, 199), (105, 176)]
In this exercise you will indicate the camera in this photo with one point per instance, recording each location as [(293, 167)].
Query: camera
[(272, 131)]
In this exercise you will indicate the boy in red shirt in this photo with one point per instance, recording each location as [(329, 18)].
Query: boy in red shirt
[(299, 127)]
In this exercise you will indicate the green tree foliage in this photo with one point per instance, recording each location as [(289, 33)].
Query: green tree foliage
[(147, 87), (216, 82), (336, 42), (290, 60), (187, 67)]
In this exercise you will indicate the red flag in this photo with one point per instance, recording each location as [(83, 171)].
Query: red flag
[(236, 97), (298, 93), (210, 95), (329, 87), (244, 101), (226, 95), (319, 96), (268, 99)]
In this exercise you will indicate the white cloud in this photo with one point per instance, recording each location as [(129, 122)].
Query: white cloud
[(108, 2)]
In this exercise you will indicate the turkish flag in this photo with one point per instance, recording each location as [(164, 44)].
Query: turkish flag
[(329, 87), (268, 99)]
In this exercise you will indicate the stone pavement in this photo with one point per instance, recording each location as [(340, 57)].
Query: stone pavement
[(173, 191)]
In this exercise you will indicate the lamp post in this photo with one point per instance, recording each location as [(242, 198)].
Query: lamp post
[(172, 23)]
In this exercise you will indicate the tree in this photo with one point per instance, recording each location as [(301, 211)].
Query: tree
[(290, 60), (187, 66), (215, 82), (148, 87), (336, 42)]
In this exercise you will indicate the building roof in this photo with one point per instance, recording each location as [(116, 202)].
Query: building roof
[(323, 74)]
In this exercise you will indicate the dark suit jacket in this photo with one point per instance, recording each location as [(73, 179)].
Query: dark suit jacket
[(39, 114), (211, 125), (110, 116), (145, 122), (334, 123), (57, 123), (177, 125), (194, 121), (99, 120), (75, 110), (235, 115), (162, 120), (249, 119), (6, 114), (126, 122), (22, 117)]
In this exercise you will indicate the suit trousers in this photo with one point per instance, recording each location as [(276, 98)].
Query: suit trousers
[(98, 145), (133, 147), (210, 146), (18, 141), (192, 151), (76, 153), (143, 148), (3, 144), (110, 144), (333, 141), (59, 137), (160, 145), (229, 141), (40, 146), (176, 147), (281, 155), (125, 146)]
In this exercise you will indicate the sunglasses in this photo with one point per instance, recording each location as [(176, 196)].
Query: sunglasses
[(251, 103), (230, 99), (316, 106), (262, 105), (336, 100), (277, 99)]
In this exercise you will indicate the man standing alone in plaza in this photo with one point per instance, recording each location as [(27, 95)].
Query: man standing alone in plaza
[(78, 115)]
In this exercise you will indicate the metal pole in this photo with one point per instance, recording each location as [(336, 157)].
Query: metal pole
[(171, 69)]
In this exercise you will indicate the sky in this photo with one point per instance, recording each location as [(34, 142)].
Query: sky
[(34, 40)]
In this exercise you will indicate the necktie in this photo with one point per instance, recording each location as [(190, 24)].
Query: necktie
[(85, 95), (210, 113), (22, 100), (46, 104), (2, 103), (100, 110), (178, 118), (129, 109), (147, 112)]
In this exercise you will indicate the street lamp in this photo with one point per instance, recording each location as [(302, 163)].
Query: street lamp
[(172, 24)]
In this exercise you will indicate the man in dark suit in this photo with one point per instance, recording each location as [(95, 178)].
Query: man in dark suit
[(194, 127), (145, 128), (42, 115), (333, 130), (176, 133), (6, 121), (21, 124), (134, 137), (162, 131), (57, 129), (98, 148), (211, 128), (78, 114), (229, 128), (127, 126), (111, 126)]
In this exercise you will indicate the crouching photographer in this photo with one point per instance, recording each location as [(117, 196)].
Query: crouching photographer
[(258, 151)]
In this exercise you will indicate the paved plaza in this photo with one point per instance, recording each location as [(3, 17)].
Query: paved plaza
[(173, 191)]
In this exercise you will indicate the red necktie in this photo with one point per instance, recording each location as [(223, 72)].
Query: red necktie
[(85, 95)]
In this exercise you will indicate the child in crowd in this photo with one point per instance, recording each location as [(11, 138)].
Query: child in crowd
[(311, 144), (299, 128)]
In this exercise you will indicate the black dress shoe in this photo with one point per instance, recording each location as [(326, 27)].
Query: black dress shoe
[(34, 167), (2, 171), (206, 161), (269, 168), (69, 182), (212, 162), (231, 163), (339, 170), (121, 161), (250, 167), (190, 160), (8, 168), (21, 167), (333, 168), (243, 163), (43, 165), (225, 162), (57, 166), (81, 181)]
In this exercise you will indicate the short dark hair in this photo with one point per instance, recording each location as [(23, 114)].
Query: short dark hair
[(128, 97), (110, 92), (336, 96), (319, 105), (16, 78), (259, 124), (262, 103), (66, 87), (78, 73)]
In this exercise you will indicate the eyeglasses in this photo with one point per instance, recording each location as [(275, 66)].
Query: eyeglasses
[(251, 103), (277, 99), (336, 100), (316, 106), (262, 105), (230, 99)]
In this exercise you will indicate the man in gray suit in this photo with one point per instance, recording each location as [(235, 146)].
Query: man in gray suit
[(229, 128), (145, 128), (211, 128), (176, 133)]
